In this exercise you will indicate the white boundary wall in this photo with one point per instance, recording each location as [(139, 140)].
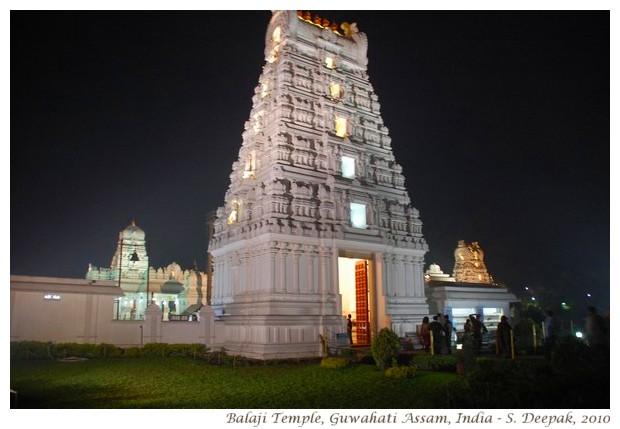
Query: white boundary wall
[(81, 311)]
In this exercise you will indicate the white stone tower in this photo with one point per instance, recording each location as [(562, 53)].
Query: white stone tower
[(315, 182)]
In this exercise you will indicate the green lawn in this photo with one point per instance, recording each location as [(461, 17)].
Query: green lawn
[(181, 382), (187, 383)]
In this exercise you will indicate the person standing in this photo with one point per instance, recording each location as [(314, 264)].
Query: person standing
[(467, 326), (350, 329), (437, 330), (476, 331), (425, 334), (504, 345), (447, 332), (549, 334)]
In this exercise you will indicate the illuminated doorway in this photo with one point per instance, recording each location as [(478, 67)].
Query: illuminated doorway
[(354, 286)]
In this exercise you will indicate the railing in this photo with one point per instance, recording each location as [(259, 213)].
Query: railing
[(182, 318)]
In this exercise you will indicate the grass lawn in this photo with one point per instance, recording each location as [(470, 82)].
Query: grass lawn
[(187, 383)]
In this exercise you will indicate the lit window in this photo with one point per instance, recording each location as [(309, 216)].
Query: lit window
[(348, 167), (341, 127), (232, 217), (358, 215), (335, 91), (330, 63)]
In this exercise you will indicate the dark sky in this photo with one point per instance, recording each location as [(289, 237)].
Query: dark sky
[(499, 119)]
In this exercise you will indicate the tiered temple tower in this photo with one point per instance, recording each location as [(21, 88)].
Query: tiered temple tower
[(469, 266), (316, 181), (176, 291)]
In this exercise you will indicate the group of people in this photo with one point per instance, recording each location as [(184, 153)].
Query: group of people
[(597, 333), (441, 328)]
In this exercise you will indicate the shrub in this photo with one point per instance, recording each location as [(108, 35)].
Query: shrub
[(524, 339), (445, 363), (155, 349), (385, 348), (63, 350), (466, 356), (108, 350), (31, 350), (334, 362), (401, 371), (132, 352), (185, 350), (572, 358)]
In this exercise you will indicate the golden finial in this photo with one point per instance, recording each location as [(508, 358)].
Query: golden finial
[(346, 27), (133, 222)]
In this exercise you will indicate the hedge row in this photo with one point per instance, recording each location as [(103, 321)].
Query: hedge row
[(42, 350)]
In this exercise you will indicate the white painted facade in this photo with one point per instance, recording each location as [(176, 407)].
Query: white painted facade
[(315, 180), (82, 311)]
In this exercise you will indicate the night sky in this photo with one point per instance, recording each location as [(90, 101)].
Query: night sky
[(499, 119)]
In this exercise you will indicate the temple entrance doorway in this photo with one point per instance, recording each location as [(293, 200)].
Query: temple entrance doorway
[(354, 281)]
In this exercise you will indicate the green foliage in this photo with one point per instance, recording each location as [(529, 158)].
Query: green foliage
[(169, 382), (64, 350), (334, 362), (459, 393), (173, 383), (385, 347), (401, 371), (524, 337), (466, 355), (30, 350), (133, 352), (534, 312), (436, 363), (155, 349), (185, 350), (42, 350), (572, 358), (108, 350)]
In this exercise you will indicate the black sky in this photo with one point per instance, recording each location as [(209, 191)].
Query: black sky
[(499, 119)]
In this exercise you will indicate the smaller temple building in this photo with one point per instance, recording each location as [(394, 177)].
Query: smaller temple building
[(469, 290), (178, 292)]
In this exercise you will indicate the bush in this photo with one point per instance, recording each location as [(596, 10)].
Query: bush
[(185, 350), (401, 372), (572, 358), (108, 350), (445, 363), (334, 362), (133, 352), (63, 350), (524, 339), (31, 350), (155, 349), (385, 348)]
